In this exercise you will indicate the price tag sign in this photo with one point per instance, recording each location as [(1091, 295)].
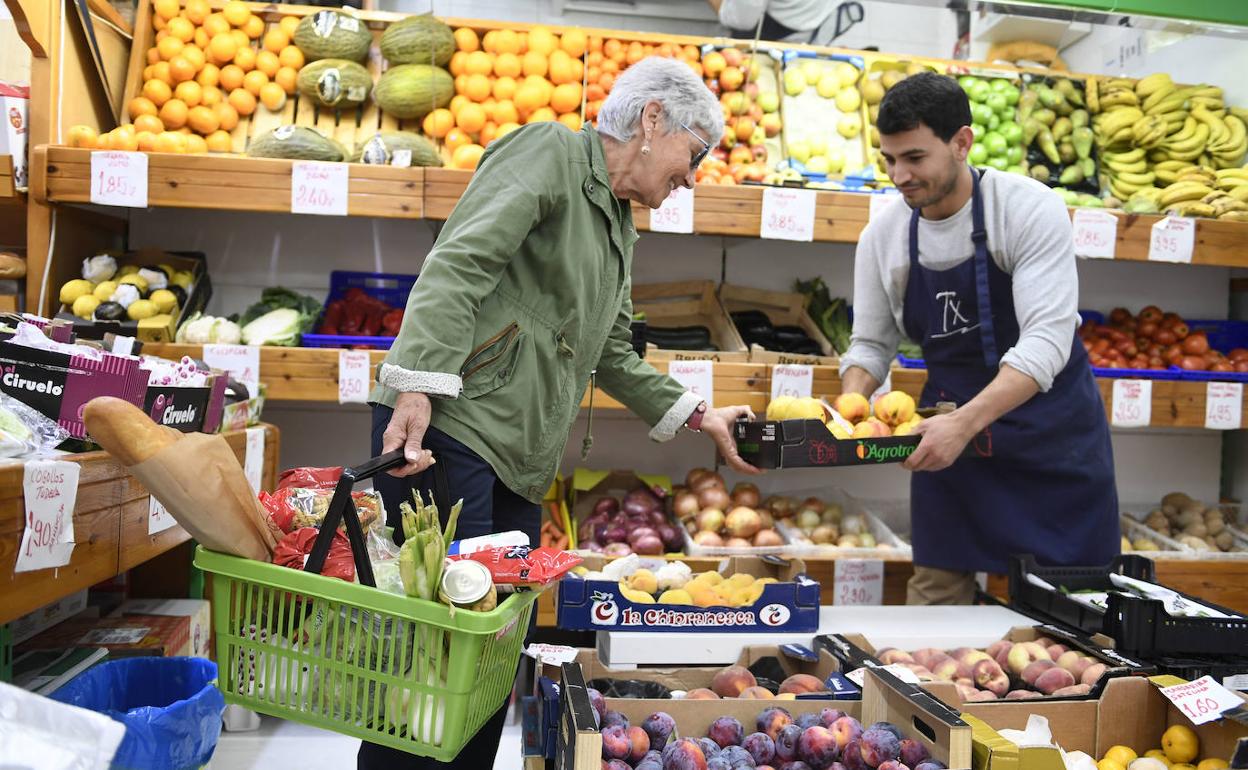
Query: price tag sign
[(241, 361), (676, 213), (859, 675), (1133, 404), (791, 380), (1224, 405), (253, 461), (119, 179), (858, 582), (1172, 240), (788, 214), (1203, 700), (353, 376), (318, 188), (50, 489), (158, 517), (698, 377), (1095, 233)]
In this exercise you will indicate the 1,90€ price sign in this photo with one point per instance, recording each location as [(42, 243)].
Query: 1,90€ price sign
[(119, 179), (50, 491), (788, 214), (319, 188)]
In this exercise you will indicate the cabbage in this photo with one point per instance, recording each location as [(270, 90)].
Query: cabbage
[(205, 329), (276, 327)]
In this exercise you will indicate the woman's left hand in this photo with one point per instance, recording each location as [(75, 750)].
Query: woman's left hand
[(717, 423)]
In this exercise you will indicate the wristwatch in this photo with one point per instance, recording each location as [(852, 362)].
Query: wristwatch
[(694, 423)]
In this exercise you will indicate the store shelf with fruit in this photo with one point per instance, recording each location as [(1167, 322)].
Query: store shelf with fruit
[(110, 526)]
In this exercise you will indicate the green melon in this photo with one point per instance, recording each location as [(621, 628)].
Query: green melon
[(295, 143), (413, 90), (333, 35), (384, 146), (418, 40), (335, 82)]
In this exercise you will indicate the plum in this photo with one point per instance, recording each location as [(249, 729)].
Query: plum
[(879, 745), (615, 764), (614, 719), (737, 756), (726, 731), (761, 747), (598, 702), (931, 764), (846, 731), (851, 756), (653, 756), (616, 743), (684, 754), (641, 744), (795, 765), (828, 717), (892, 764), (913, 752), (817, 747), (717, 763), (892, 728), (807, 720), (786, 743), (649, 764), (658, 727), (709, 747), (772, 720)]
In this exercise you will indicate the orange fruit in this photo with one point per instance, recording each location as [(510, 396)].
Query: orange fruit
[(81, 136), (275, 40), (458, 101), (246, 59), (189, 93), (146, 140), (181, 29), (542, 40), (157, 92), (466, 39), (102, 143), (202, 38), (606, 81), (456, 65), (479, 63), (153, 55), (196, 144), (266, 62), (437, 123), (169, 141), (219, 141), (611, 48), (505, 129), (196, 11), (541, 115), (291, 56), (158, 24), (489, 41), (215, 25), (507, 65), (574, 42), (243, 101), (572, 120), (210, 75), (166, 9), (507, 42), (211, 96), (232, 77), (289, 24), (566, 98), (505, 112), (504, 88), (456, 139), (169, 47), (173, 113), (487, 133), (534, 64), (227, 115), (181, 70), (240, 38), (524, 43), (161, 71), (194, 55), (461, 83), (222, 48), (287, 78), (123, 139), (595, 92), (635, 53), (254, 27), (203, 120), (272, 96), (578, 71), (236, 12), (529, 98), (488, 105), (467, 156), (477, 88), (561, 68), (140, 105), (610, 67)]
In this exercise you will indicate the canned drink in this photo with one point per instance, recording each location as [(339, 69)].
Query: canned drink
[(465, 582)]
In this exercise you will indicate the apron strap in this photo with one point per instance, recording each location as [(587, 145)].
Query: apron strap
[(914, 240), (979, 238)]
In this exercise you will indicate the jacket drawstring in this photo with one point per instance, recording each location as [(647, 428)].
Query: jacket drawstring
[(588, 442)]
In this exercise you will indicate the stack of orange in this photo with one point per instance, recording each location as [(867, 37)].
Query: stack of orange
[(714, 170), (206, 70), (608, 58), (506, 79)]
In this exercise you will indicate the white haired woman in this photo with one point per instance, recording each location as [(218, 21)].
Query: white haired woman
[(523, 303)]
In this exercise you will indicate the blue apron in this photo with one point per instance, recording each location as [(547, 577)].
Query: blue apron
[(1048, 488)]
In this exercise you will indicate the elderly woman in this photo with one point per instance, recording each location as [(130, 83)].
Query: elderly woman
[(523, 303)]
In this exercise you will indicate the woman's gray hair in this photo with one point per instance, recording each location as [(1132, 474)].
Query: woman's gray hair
[(671, 83)]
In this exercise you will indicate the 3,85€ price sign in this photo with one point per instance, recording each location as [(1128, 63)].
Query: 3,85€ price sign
[(788, 214), (1095, 233), (119, 179), (319, 188)]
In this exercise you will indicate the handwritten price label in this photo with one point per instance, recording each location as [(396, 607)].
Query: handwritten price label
[(1095, 233), (319, 188), (1203, 700), (119, 179), (791, 380), (51, 489), (676, 213), (241, 361), (1132, 404), (253, 460), (1224, 405), (158, 517), (788, 214), (859, 675), (1172, 240), (858, 582), (353, 377), (698, 377)]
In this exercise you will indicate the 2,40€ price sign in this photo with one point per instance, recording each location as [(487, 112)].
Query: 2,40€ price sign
[(788, 214), (119, 179), (319, 188)]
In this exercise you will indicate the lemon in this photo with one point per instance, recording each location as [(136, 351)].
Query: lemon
[(164, 300), (1212, 764), (136, 280), (1180, 744), (678, 596), (85, 306), (104, 290), (1109, 764), (74, 289), (125, 270), (1121, 754), (140, 309), (778, 408), (1158, 754), (848, 100)]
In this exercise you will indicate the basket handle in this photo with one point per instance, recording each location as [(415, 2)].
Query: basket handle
[(342, 509)]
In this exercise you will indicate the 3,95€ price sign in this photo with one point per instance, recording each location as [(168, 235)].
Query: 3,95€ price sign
[(319, 188), (119, 179), (676, 213), (788, 214), (1173, 239)]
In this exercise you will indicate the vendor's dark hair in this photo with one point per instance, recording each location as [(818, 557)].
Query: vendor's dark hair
[(936, 101)]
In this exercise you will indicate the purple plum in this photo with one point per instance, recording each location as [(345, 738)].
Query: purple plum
[(807, 720), (616, 743), (772, 720), (931, 764), (726, 731), (615, 764), (614, 719), (737, 756), (913, 753), (659, 727), (892, 728), (709, 747), (879, 745), (828, 717), (846, 731), (761, 747), (851, 756), (892, 764), (786, 743), (598, 702), (641, 744), (684, 754), (817, 747), (795, 765), (717, 763)]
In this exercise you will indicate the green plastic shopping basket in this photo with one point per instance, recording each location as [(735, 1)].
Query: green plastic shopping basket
[(411, 674)]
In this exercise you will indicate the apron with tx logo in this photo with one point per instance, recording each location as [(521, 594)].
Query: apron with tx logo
[(1048, 489)]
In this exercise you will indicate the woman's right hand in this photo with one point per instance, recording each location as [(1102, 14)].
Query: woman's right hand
[(406, 431)]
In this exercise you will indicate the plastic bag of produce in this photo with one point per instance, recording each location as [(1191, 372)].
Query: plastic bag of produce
[(24, 432), (294, 507), (293, 551)]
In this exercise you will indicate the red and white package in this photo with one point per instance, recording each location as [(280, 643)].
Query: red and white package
[(310, 478), (294, 549), (521, 565)]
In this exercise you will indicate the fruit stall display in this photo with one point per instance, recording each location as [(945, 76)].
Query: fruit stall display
[(1191, 525), (748, 86), (884, 72), (1157, 343), (718, 522), (996, 111), (1058, 138), (823, 114)]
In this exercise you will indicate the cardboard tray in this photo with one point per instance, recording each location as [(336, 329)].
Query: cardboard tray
[(587, 486), (190, 410), (790, 606), (689, 303), (809, 444), (784, 309), (897, 549)]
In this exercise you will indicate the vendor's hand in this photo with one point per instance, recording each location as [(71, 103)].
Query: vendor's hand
[(945, 436), (717, 424), (406, 431)]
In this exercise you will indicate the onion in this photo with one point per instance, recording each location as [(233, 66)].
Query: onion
[(708, 539), (692, 477), (685, 505), (592, 546), (738, 542), (614, 534), (746, 494), (639, 533), (768, 538), (641, 494), (780, 506), (607, 505), (617, 549), (600, 532), (648, 545), (657, 518), (714, 497), (671, 537), (814, 503), (635, 506), (710, 480)]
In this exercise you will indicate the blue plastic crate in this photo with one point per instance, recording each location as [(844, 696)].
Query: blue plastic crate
[(391, 288)]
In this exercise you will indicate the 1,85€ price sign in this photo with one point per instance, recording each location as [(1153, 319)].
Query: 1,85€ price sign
[(119, 179), (319, 188)]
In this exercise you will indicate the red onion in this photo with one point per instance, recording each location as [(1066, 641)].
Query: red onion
[(639, 533), (657, 518), (641, 494), (649, 545), (634, 505), (607, 505), (671, 537), (616, 549), (614, 534)]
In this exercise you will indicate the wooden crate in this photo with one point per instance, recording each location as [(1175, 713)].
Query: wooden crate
[(784, 309), (689, 303)]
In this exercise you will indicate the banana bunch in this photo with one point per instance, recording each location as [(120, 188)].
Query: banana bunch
[(1125, 172), (1233, 183)]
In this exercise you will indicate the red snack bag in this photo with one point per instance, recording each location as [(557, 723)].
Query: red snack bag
[(294, 507), (524, 565), (309, 478), (293, 551)]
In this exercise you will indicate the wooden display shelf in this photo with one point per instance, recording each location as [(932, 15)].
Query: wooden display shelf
[(8, 187), (236, 183), (110, 524)]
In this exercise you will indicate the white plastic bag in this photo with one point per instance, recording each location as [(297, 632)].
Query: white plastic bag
[(37, 733)]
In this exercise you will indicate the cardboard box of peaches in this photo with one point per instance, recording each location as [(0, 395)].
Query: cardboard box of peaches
[(808, 432)]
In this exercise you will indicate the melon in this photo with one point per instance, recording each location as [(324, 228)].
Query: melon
[(335, 82), (295, 143), (386, 148), (333, 35), (418, 40), (413, 90)]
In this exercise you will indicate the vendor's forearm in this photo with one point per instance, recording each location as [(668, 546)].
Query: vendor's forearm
[(858, 380), (1009, 390)]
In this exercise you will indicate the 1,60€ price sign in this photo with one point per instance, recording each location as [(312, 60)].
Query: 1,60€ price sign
[(119, 179), (788, 214), (319, 188), (1203, 700), (794, 380)]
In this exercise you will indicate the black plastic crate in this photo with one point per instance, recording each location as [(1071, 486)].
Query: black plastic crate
[(1056, 606), (1221, 669)]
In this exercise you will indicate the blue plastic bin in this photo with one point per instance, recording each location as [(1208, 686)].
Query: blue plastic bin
[(391, 288)]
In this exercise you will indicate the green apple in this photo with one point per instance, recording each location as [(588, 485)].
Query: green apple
[(980, 92), (836, 160), (998, 163), (1012, 132), (799, 151), (828, 85), (818, 143), (1020, 170), (794, 81), (1014, 154), (996, 100), (1011, 96), (995, 144), (967, 82), (813, 70), (818, 164), (994, 121), (769, 101), (978, 154), (978, 131)]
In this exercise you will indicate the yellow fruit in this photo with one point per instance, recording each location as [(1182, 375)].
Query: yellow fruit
[(1212, 764), (541, 114), (181, 29), (104, 290), (467, 156), (240, 38), (222, 48), (712, 578), (166, 9), (236, 12), (267, 62), (466, 40), (643, 580), (780, 407), (173, 113), (196, 144), (678, 596), (741, 580), (1123, 755), (275, 40), (254, 27), (289, 24), (215, 24), (504, 129), (149, 123), (848, 100), (272, 97), (894, 408), (210, 96), (470, 118), (253, 81), (197, 11), (190, 92), (140, 105), (245, 58), (219, 141), (162, 72), (542, 41), (1109, 764), (1180, 743), (288, 79), (146, 140), (1159, 755), (438, 123), (702, 594), (74, 289), (1183, 766), (806, 409), (243, 102), (227, 114), (195, 57), (837, 431), (291, 56), (636, 597), (574, 43), (203, 120), (169, 47), (210, 75)]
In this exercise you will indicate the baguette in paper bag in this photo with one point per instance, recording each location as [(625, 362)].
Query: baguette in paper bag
[(195, 476)]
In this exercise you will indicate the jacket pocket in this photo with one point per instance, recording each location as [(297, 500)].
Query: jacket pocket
[(492, 363)]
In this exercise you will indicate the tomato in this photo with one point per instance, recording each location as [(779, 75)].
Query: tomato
[(1119, 315), (1172, 354), (1238, 354), (1155, 362), (1196, 344), (1222, 366), (1241, 365), (1180, 330), (1147, 329)]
